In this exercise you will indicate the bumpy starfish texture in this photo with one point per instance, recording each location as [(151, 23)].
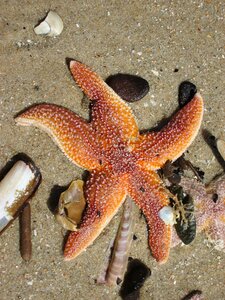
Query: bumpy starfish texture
[(121, 161)]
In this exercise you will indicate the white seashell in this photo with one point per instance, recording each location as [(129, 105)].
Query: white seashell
[(51, 26), (167, 215), (15, 188), (221, 147)]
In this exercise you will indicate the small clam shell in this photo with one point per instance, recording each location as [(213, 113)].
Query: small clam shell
[(71, 206), (51, 26), (15, 189)]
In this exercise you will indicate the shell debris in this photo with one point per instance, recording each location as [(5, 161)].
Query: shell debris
[(71, 205), (52, 25)]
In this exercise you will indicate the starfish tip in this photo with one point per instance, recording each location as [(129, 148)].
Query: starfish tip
[(198, 95), (74, 63)]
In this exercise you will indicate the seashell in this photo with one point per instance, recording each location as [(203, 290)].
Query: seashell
[(122, 244), (167, 215), (221, 147), (52, 25), (116, 262), (129, 87), (15, 189), (71, 206)]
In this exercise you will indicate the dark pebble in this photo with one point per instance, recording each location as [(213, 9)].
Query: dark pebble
[(129, 87), (192, 294), (137, 273), (134, 237), (172, 173), (215, 197), (186, 92)]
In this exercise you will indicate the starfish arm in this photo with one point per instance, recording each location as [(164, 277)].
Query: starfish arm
[(216, 231), (155, 148), (72, 134), (110, 113), (105, 193), (147, 191)]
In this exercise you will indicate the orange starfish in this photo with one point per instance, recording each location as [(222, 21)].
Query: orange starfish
[(121, 161)]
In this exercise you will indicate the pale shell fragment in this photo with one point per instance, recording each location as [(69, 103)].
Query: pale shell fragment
[(51, 26), (221, 147), (71, 206), (15, 189), (167, 215)]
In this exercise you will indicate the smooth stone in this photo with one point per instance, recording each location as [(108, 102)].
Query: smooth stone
[(186, 92), (129, 87)]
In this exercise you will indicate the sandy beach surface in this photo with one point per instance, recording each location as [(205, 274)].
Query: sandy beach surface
[(165, 42)]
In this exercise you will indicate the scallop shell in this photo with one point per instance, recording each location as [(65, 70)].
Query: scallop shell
[(52, 25), (15, 189), (71, 206)]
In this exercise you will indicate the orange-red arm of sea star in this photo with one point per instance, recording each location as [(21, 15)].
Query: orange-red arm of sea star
[(110, 114), (147, 191), (155, 148), (104, 193), (72, 134)]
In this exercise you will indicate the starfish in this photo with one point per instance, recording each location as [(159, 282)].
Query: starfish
[(210, 214), (121, 161)]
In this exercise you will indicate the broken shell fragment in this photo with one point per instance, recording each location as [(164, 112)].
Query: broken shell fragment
[(52, 25), (221, 147), (71, 206), (15, 189)]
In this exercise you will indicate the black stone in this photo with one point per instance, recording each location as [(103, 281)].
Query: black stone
[(129, 87), (192, 294), (137, 273), (186, 92)]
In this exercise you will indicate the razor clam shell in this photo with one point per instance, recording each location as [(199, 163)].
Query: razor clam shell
[(15, 189), (115, 266)]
